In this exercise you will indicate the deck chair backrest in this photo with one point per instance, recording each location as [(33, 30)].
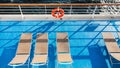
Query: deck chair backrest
[(108, 36), (24, 45), (41, 44), (110, 42), (26, 36), (62, 43), (62, 36)]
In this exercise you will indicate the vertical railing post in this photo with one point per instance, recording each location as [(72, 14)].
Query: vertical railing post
[(93, 14), (22, 16), (70, 9), (45, 10)]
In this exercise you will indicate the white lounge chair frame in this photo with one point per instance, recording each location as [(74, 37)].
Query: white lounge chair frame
[(41, 50), (62, 39), (112, 46), (22, 53)]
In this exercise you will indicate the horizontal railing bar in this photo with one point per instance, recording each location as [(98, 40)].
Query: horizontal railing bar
[(56, 4), (9, 12)]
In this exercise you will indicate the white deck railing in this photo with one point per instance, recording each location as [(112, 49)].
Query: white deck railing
[(105, 10)]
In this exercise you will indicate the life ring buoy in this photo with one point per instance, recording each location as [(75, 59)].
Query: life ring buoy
[(57, 13)]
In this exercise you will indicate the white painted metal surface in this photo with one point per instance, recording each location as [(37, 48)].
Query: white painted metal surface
[(65, 17)]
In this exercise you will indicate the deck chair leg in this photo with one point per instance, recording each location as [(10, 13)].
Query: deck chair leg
[(14, 66), (68, 65), (28, 65), (28, 62), (111, 62), (71, 66), (56, 65), (46, 65)]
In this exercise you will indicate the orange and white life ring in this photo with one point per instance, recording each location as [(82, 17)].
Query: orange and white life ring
[(57, 13)]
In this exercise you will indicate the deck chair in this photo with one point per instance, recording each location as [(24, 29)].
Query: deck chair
[(63, 49), (112, 46), (23, 50), (41, 50)]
